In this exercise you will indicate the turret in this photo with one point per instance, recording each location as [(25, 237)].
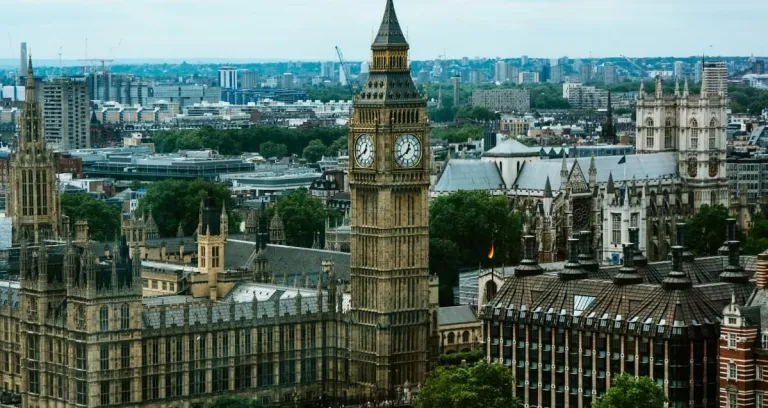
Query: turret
[(659, 91), (592, 172), (277, 229), (564, 173)]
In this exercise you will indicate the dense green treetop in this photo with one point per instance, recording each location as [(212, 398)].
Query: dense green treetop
[(457, 134), (630, 392), (315, 151), (481, 385), (705, 230), (462, 227), (249, 140), (303, 216), (178, 201), (103, 219), (271, 149)]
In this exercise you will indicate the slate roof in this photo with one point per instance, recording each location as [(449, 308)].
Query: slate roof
[(461, 174), (293, 261), (455, 315), (533, 175), (271, 301), (390, 32), (513, 148)]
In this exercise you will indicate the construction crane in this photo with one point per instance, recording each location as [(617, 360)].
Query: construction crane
[(345, 69), (101, 60), (639, 68)]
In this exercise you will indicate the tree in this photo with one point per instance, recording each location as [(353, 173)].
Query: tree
[(271, 149), (338, 145), (303, 216), (481, 385), (103, 219), (175, 202), (631, 392), (477, 113), (705, 230), (233, 402), (757, 239), (471, 221), (314, 151), (458, 134)]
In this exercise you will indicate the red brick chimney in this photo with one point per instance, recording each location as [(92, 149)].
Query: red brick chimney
[(761, 272)]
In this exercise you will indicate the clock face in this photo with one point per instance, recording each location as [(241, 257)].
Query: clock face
[(364, 151), (407, 151)]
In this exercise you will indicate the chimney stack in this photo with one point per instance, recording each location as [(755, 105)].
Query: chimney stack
[(587, 257), (638, 258), (677, 279), (761, 271), (734, 272), (529, 266), (680, 229), (573, 270), (628, 273)]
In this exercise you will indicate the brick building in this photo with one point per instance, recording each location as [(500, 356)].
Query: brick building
[(744, 346)]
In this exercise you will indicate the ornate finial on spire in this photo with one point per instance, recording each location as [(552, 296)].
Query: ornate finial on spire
[(686, 92), (659, 87), (642, 89), (548, 189), (611, 185), (677, 86), (30, 75)]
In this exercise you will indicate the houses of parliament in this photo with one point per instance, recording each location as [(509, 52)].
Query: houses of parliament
[(242, 315)]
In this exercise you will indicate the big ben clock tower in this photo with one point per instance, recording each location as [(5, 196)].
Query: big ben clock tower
[(389, 183)]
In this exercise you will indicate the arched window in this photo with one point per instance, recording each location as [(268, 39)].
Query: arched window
[(104, 318), (668, 134), (465, 337), (713, 134), (490, 290), (694, 134), (125, 314), (649, 133), (451, 338)]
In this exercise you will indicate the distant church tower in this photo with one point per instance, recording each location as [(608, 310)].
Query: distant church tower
[(389, 182), (694, 126), (33, 200)]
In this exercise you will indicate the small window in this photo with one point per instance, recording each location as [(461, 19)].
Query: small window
[(732, 321), (104, 318), (732, 374), (758, 399), (732, 399), (125, 317), (765, 340), (731, 341), (759, 372)]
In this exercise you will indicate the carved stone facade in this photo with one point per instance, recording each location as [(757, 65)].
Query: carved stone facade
[(389, 184), (33, 200), (680, 166)]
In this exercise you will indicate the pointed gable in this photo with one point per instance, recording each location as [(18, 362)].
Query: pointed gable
[(576, 180)]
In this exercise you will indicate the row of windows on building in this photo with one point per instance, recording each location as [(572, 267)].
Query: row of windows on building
[(616, 226), (669, 134), (157, 284)]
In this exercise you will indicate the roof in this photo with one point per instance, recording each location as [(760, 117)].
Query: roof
[(533, 175), (455, 315), (290, 261), (461, 174), (512, 147), (390, 32)]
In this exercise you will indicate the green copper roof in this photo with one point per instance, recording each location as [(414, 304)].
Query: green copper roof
[(390, 33)]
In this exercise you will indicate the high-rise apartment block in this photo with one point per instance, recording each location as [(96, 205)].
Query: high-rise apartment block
[(556, 76), (679, 69), (609, 74), (23, 65), (475, 77), (714, 78), (228, 77), (501, 74), (287, 80), (503, 100), (456, 90), (528, 78), (66, 113), (248, 79)]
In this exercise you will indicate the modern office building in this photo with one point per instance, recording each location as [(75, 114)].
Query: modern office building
[(66, 112), (228, 77), (748, 174), (503, 100)]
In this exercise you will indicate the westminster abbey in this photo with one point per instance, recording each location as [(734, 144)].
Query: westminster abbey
[(86, 324)]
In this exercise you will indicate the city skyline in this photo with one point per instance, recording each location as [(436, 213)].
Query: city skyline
[(189, 30)]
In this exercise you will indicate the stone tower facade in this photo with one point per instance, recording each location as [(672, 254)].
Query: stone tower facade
[(389, 182), (33, 200), (694, 126), (212, 234)]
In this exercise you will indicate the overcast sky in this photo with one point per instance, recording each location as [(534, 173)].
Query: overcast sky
[(309, 29)]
